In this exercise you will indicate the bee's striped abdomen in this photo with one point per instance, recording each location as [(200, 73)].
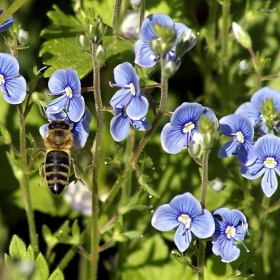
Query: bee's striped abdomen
[(57, 166)]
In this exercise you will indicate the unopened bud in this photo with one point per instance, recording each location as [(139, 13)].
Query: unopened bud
[(243, 66), (185, 43), (100, 54), (217, 185), (135, 3), (195, 150), (83, 42), (5, 138), (23, 37), (169, 69), (241, 35)]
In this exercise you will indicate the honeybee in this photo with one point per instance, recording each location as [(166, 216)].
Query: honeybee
[(56, 167)]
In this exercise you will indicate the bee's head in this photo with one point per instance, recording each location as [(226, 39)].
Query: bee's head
[(59, 124)]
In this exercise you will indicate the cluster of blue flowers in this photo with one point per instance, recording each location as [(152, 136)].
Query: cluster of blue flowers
[(224, 226)]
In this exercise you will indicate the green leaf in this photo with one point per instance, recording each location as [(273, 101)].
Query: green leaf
[(76, 232), (49, 238), (57, 275), (17, 248), (133, 234), (42, 269), (30, 254), (8, 260)]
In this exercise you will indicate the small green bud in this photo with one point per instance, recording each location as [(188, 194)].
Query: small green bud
[(23, 37), (100, 54), (241, 35), (209, 131), (269, 113), (5, 138), (169, 69), (195, 150), (83, 42), (217, 185)]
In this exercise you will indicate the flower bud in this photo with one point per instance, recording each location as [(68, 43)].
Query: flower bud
[(243, 66), (241, 35), (135, 3), (185, 43), (217, 185), (100, 54), (23, 37), (83, 42), (195, 150), (169, 69), (209, 131), (5, 138), (130, 24)]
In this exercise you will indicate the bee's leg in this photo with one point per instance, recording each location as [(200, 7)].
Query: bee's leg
[(42, 173), (76, 171)]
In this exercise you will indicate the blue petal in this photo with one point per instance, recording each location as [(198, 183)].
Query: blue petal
[(173, 140), (186, 204), (182, 28), (137, 107), (9, 66), (73, 81), (268, 146), (76, 108), (121, 98), (147, 28), (57, 82), (182, 238), (15, 90), (142, 125), (164, 218), (226, 248), (185, 113), (239, 221), (250, 112), (125, 74), (253, 171), (246, 154), (57, 105), (7, 23), (269, 182), (229, 149), (119, 127), (203, 226), (43, 130), (144, 56)]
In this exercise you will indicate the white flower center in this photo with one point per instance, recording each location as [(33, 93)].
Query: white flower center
[(69, 92), (185, 219), (132, 89), (231, 231), (153, 57), (270, 162), (188, 127), (2, 80), (240, 137)]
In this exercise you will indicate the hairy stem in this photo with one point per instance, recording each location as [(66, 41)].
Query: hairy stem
[(116, 16), (24, 181)]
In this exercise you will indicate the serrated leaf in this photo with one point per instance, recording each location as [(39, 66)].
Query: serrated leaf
[(57, 275), (65, 239), (17, 248), (184, 260), (30, 254), (49, 238), (133, 234), (63, 229), (42, 269), (76, 231), (151, 192), (8, 260)]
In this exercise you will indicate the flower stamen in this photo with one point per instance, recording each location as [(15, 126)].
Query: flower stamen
[(2, 80), (188, 127), (186, 220), (230, 232), (69, 92), (270, 162), (240, 137)]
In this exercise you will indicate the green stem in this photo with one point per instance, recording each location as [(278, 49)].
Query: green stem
[(24, 182), (225, 56), (96, 164), (142, 12), (204, 177), (162, 106), (201, 257), (117, 11), (256, 67)]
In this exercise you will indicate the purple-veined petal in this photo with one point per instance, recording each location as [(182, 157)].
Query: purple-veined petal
[(121, 98), (173, 140), (186, 204), (7, 23), (73, 81), (182, 238), (57, 82), (268, 146), (125, 74), (226, 248), (137, 107), (225, 213), (253, 171), (263, 94), (9, 66), (76, 108), (203, 226), (119, 127), (250, 112), (185, 113), (147, 28), (57, 105), (165, 218), (142, 124), (246, 154), (269, 182), (15, 90), (228, 149), (144, 56)]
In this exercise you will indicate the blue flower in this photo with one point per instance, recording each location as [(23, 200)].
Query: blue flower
[(186, 212), (144, 55), (267, 150), (12, 85), (67, 84), (7, 24), (230, 226), (80, 129), (121, 123), (241, 129), (183, 127), (252, 109), (130, 95)]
